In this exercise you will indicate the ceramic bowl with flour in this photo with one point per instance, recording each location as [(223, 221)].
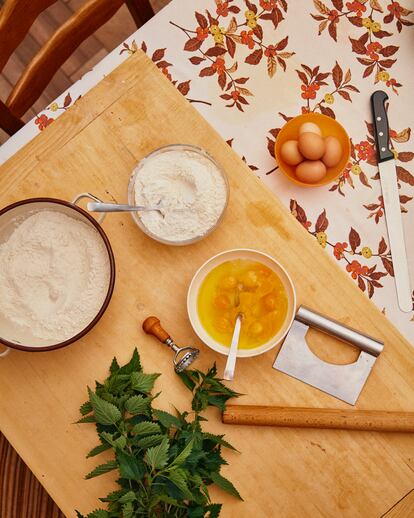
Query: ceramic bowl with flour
[(57, 274), (188, 186)]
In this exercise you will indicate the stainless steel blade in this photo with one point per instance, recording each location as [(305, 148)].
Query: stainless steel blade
[(388, 175), (344, 382)]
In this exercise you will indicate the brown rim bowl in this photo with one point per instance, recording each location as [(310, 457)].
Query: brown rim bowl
[(64, 207)]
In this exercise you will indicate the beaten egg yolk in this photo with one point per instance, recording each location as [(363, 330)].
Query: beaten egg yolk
[(242, 286)]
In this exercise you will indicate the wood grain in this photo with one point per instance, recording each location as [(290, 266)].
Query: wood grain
[(402, 509), (339, 419), (280, 472), (21, 495)]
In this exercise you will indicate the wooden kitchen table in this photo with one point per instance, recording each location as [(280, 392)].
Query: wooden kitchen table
[(280, 472)]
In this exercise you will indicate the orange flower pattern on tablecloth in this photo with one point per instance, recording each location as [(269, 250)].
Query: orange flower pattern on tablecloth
[(375, 56), (366, 275), (218, 50), (42, 121)]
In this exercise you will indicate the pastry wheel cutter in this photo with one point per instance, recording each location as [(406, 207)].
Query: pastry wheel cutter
[(183, 357), (344, 382)]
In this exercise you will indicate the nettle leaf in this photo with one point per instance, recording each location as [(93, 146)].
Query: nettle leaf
[(146, 428), (104, 412), (182, 457), (86, 419), (102, 468), (114, 496), (198, 511), (214, 510), (107, 437), (114, 385), (120, 442), (130, 467), (157, 457), (86, 408), (178, 478), (186, 378), (213, 461), (208, 390), (98, 513), (133, 366), (166, 419), (97, 450), (150, 440), (128, 497), (106, 396), (166, 499), (114, 366), (143, 382), (225, 484), (218, 439), (218, 401), (128, 510), (137, 405)]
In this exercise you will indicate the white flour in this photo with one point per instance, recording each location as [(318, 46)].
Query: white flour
[(54, 275), (190, 189)]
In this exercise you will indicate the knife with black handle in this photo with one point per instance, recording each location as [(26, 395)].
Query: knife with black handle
[(389, 184)]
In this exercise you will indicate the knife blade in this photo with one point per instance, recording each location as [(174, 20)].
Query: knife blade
[(389, 184)]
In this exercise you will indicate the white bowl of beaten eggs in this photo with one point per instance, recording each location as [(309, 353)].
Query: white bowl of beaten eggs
[(247, 281)]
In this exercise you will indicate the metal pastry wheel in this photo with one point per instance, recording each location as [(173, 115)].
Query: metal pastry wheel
[(184, 356)]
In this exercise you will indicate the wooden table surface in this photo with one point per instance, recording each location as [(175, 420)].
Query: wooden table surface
[(280, 472)]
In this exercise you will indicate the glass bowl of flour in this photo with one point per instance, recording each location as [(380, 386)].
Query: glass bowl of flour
[(188, 186)]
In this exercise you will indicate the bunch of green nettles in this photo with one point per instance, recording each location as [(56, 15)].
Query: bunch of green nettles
[(165, 462)]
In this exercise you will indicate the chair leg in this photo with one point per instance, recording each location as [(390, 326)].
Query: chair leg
[(141, 11), (9, 122)]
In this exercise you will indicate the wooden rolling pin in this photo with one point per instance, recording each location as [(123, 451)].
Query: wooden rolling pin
[(367, 420)]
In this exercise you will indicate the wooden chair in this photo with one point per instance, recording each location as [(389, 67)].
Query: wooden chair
[(16, 18)]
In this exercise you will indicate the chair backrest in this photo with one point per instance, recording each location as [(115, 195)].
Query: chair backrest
[(16, 18)]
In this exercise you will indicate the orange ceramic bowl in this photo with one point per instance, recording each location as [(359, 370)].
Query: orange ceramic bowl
[(329, 127)]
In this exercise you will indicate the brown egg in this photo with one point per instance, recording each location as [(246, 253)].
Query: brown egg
[(310, 127), (333, 152), (311, 171), (311, 146), (290, 152)]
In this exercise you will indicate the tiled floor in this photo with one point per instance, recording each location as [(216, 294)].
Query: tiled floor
[(21, 495), (86, 56)]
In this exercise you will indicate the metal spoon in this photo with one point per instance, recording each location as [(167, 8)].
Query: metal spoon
[(93, 206), (231, 358)]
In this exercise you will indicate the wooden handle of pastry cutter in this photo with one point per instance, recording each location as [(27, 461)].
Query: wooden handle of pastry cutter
[(368, 420), (152, 326)]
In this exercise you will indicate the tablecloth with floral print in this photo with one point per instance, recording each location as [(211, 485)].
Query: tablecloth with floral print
[(249, 66)]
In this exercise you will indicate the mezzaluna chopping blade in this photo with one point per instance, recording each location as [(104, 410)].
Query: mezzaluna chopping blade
[(344, 382)]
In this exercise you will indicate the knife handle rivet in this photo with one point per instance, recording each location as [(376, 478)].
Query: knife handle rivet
[(383, 149), (381, 134), (378, 118)]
